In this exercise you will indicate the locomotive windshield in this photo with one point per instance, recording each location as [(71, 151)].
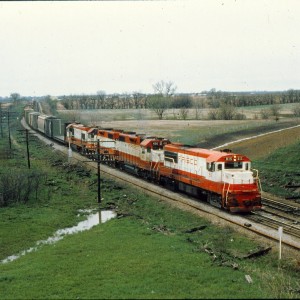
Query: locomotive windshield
[(234, 165)]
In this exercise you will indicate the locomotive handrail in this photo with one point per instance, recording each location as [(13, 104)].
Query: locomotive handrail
[(172, 161), (226, 199), (225, 195), (256, 177), (155, 171)]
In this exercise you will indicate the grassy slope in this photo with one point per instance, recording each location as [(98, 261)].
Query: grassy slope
[(276, 156), (281, 168), (123, 259)]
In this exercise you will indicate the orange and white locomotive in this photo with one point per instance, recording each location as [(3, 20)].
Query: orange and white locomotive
[(87, 140), (223, 179)]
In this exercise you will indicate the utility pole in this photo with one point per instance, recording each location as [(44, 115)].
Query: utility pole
[(27, 144), (97, 157), (27, 147), (98, 162), (8, 124), (1, 120), (98, 167), (7, 113)]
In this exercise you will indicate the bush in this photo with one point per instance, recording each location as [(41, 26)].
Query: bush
[(296, 111), (18, 185), (264, 114), (239, 116), (182, 102)]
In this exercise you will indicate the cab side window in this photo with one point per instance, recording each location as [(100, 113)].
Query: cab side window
[(210, 167)]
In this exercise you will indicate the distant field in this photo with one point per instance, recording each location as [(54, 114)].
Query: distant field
[(200, 132), (107, 115)]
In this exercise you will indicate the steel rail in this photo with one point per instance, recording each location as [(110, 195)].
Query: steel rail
[(294, 209), (290, 228)]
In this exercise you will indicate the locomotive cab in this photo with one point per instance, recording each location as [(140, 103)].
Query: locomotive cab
[(152, 149), (240, 192), (235, 172)]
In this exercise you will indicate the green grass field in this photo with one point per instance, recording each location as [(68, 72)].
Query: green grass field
[(279, 169)]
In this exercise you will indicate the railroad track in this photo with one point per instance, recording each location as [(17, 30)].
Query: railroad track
[(279, 214), (257, 225), (281, 206), (290, 226)]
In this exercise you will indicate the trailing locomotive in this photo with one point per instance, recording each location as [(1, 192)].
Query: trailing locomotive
[(221, 178)]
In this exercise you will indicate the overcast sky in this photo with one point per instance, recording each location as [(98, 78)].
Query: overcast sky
[(81, 47)]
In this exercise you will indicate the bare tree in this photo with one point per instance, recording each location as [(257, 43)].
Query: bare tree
[(226, 112), (296, 111), (183, 111), (274, 110), (101, 95), (83, 102), (159, 104), (137, 99), (264, 114), (124, 101), (164, 88), (213, 114)]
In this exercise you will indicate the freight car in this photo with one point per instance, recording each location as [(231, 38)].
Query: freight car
[(50, 126), (221, 178)]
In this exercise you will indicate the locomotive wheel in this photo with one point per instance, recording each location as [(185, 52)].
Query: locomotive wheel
[(214, 200)]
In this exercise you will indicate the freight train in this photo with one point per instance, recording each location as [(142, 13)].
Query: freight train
[(221, 178)]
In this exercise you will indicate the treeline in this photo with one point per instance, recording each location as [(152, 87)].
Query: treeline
[(221, 105), (216, 98), (210, 99), (102, 101), (166, 95)]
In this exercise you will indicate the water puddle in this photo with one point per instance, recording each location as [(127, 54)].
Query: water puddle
[(92, 220)]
